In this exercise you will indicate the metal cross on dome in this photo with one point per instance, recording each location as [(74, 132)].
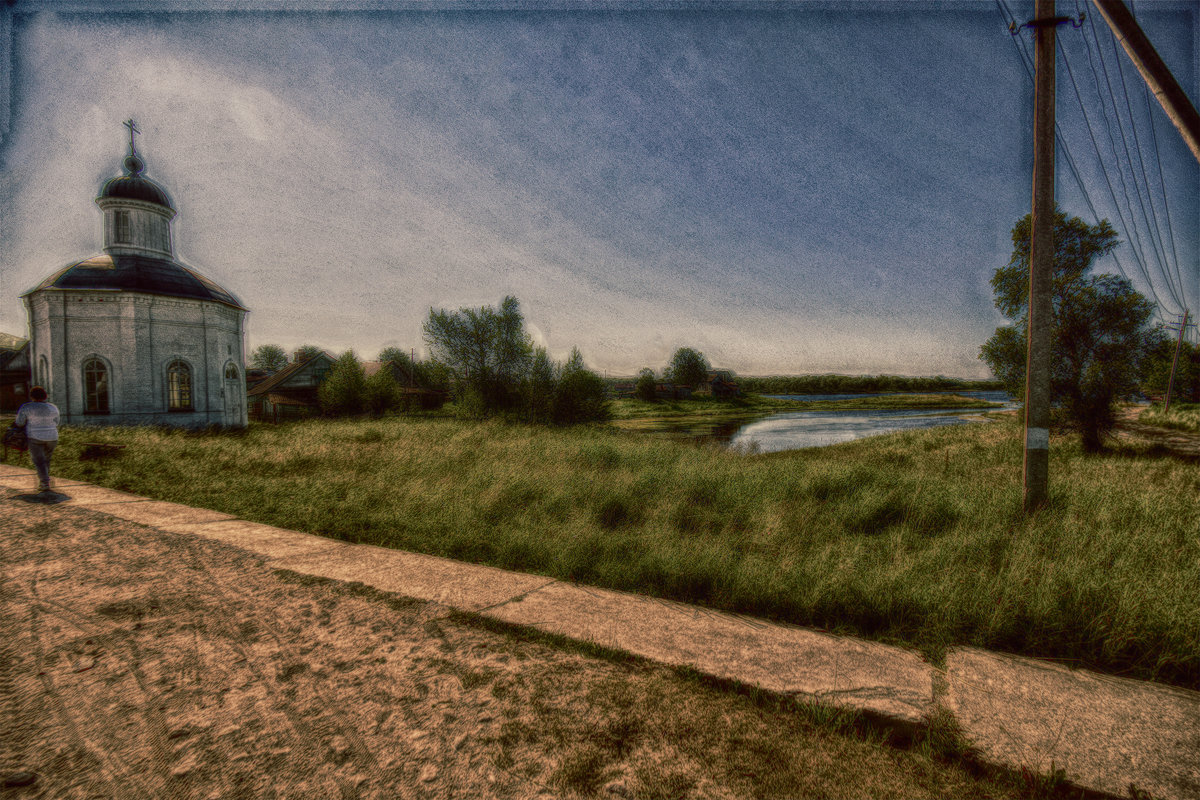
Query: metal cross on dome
[(133, 129)]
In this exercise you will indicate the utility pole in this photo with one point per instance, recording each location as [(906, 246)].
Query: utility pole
[(1041, 265), (1175, 362), (1162, 83)]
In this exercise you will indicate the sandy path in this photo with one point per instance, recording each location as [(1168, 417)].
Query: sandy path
[(1177, 442), (137, 663)]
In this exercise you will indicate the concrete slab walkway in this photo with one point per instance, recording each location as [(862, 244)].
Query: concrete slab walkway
[(1106, 734)]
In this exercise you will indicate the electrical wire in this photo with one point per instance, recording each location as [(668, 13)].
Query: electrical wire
[(1130, 226), (1108, 181), (1161, 251), (1162, 182), (1026, 61)]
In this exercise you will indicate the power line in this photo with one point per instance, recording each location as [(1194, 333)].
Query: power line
[(1132, 230), (1162, 185), (1026, 62), (1108, 181), (1142, 162)]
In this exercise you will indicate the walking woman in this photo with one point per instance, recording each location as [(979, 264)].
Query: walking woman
[(40, 420)]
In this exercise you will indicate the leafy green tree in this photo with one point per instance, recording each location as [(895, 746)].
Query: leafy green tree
[(269, 357), (579, 396), (486, 353), (688, 367), (344, 390), (420, 372), (304, 352), (1187, 371), (1100, 326), (644, 388), (381, 392)]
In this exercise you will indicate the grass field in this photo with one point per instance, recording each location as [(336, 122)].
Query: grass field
[(1183, 416), (913, 537)]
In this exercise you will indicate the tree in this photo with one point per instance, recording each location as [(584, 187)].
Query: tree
[(269, 357), (304, 352), (688, 367), (579, 396), (645, 387), (344, 390), (540, 386), (1187, 370), (485, 351), (381, 392), (1100, 327)]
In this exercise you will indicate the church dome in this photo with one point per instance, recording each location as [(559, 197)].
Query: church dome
[(132, 186), (136, 273)]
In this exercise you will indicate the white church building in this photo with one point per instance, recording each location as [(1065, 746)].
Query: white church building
[(131, 336)]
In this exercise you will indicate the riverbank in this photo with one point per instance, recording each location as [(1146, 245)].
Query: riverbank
[(913, 538), (707, 416)]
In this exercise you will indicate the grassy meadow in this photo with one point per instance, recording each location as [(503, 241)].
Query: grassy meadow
[(914, 537)]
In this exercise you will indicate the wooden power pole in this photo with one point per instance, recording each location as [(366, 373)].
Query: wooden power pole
[(1162, 83), (1041, 265), (1175, 363)]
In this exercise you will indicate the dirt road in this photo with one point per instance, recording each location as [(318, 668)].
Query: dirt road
[(137, 663)]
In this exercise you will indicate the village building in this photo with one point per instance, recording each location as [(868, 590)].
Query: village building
[(14, 372), (413, 396), (132, 336), (291, 393)]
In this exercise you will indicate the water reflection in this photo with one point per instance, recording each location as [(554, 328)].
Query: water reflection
[(794, 430)]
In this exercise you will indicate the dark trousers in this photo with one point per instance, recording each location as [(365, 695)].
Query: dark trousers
[(39, 451)]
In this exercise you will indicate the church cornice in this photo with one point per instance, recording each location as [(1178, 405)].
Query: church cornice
[(106, 203), (136, 298)]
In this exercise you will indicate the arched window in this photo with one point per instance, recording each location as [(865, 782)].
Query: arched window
[(43, 376), (179, 386), (231, 373), (95, 387)]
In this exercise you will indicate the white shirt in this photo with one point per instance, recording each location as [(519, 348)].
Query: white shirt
[(40, 420)]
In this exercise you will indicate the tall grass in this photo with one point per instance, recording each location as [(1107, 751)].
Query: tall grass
[(1183, 416), (914, 537)]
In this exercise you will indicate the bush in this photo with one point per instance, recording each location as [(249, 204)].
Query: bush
[(579, 395), (344, 390), (644, 389), (381, 393)]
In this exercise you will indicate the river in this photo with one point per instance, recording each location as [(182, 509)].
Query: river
[(793, 430)]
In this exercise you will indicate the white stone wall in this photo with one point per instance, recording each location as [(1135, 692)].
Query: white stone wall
[(138, 336)]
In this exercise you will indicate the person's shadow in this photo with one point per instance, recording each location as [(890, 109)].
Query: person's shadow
[(48, 497)]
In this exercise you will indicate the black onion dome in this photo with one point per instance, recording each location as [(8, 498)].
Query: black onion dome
[(135, 273), (132, 186)]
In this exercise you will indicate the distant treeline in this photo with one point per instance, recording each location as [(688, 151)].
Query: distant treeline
[(855, 384)]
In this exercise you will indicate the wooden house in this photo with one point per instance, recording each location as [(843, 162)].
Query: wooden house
[(291, 393)]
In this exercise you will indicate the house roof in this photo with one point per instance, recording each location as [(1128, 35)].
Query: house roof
[(398, 369), (279, 378), (136, 273), (10, 342), (287, 400)]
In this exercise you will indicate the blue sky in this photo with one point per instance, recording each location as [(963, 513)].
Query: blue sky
[(817, 188)]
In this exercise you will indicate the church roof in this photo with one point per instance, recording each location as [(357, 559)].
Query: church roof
[(135, 273), (135, 187), (132, 186)]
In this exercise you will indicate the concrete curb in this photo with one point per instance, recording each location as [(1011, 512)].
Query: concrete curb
[(1105, 734)]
